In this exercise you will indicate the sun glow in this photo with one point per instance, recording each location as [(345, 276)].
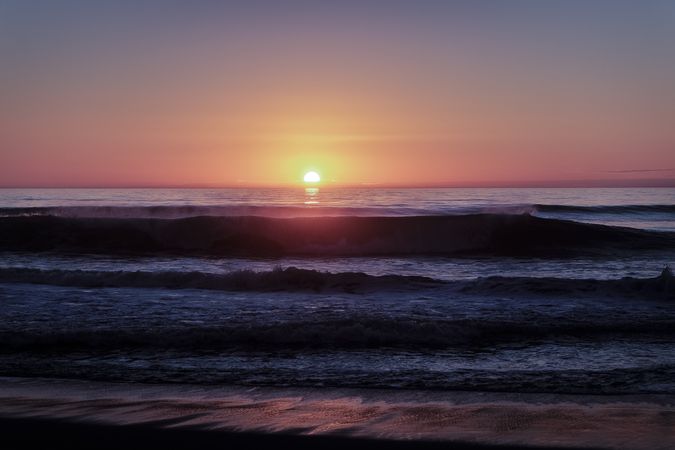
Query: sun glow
[(312, 177)]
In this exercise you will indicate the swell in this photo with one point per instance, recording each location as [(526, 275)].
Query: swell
[(607, 209), (476, 234), (289, 211), (293, 279), (355, 332)]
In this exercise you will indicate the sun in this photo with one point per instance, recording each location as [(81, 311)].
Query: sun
[(312, 177)]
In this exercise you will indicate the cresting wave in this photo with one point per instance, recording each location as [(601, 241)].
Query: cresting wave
[(607, 209), (186, 211), (288, 279), (290, 211), (475, 234), (292, 279)]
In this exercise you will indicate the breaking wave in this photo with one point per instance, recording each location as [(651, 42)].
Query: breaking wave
[(662, 286), (476, 234), (606, 209), (292, 279), (288, 279)]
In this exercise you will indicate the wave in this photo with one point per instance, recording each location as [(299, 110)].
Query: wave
[(606, 209), (662, 286), (350, 332), (287, 279), (278, 211), (186, 211), (476, 234), (653, 379), (293, 279), (290, 211)]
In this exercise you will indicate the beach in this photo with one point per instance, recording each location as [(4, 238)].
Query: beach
[(64, 414)]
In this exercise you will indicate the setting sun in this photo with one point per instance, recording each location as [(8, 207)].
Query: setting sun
[(312, 177)]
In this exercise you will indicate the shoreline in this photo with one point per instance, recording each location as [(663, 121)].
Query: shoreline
[(75, 414), (21, 433)]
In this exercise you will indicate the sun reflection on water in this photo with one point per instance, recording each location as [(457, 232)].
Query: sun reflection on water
[(312, 196)]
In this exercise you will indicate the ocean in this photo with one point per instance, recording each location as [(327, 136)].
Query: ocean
[(560, 291)]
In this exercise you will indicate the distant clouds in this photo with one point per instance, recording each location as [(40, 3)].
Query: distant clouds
[(641, 170)]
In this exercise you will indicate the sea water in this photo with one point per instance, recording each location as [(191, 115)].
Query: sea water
[(511, 290)]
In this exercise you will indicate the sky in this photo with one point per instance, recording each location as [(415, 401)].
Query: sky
[(405, 93)]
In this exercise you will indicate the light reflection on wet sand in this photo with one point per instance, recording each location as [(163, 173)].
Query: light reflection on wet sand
[(644, 422)]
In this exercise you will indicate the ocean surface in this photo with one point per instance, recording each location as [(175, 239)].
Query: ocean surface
[(502, 290)]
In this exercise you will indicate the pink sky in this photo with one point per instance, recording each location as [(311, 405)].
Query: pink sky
[(433, 95)]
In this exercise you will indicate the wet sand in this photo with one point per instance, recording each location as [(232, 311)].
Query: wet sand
[(70, 414), (45, 433)]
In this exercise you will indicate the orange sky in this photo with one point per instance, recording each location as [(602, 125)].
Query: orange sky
[(431, 95)]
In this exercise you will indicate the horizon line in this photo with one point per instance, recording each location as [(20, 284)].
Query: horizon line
[(635, 183)]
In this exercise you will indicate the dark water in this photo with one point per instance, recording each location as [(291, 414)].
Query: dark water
[(517, 290)]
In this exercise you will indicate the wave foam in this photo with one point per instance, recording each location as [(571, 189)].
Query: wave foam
[(607, 209), (292, 279), (286, 279)]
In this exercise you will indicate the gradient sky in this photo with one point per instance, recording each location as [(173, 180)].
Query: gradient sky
[(177, 93)]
